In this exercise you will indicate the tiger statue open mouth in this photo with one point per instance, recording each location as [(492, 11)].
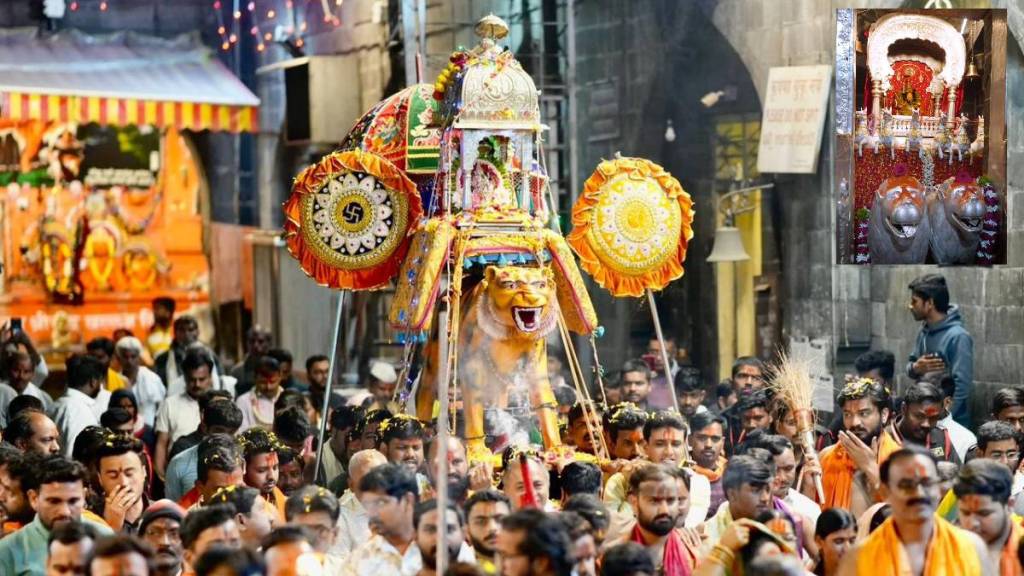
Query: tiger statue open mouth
[(899, 229), (527, 319), (518, 303), (956, 213)]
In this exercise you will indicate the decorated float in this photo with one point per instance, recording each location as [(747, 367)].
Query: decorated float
[(441, 192)]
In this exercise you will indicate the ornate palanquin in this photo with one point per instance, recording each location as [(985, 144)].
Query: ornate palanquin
[(484, 246)]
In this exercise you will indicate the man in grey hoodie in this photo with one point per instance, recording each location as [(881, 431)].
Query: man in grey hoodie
[(943, 344)]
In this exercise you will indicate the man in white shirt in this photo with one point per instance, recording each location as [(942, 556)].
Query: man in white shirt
[(18, 341), (353, 523), (257, 405), (19, 381), (75, 410), (102, 401), (961, 437), (179, 414), (147, 387), (168, 364), (389, 494), (428, 527)]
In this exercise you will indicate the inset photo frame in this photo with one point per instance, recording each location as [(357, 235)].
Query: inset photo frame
[(920, 164)]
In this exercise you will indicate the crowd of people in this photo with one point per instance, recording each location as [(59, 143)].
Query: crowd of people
[(157, 459)]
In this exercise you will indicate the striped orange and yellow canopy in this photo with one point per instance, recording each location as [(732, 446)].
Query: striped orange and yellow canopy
[(121, 79), (117, 111)]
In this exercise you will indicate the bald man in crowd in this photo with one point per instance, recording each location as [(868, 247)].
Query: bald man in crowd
[(353, 523)]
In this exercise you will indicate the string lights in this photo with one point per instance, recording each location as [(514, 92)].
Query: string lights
[(268, 22)]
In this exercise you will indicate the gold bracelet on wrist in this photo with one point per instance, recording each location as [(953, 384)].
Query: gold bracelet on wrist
[(725, 550), (722, 556), (716, 560)]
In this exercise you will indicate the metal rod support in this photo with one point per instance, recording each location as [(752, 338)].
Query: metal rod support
[(330, 384), (664, 358), (664, 353), (441, 478)]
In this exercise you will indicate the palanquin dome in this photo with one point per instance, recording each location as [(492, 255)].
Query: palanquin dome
[(486, 87)]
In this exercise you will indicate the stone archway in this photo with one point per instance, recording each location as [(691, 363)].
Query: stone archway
[(654, 62)]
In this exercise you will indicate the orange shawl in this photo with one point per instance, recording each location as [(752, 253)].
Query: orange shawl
[(277, 501), (1008, 564), (713, 475), (950, 552), (838, 469)]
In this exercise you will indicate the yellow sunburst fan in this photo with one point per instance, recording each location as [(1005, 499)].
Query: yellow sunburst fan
[(631, 226)]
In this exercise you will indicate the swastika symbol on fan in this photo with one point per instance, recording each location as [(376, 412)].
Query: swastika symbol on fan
[(353, 213)]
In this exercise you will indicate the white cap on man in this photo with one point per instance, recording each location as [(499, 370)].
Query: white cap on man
[(383, 371)]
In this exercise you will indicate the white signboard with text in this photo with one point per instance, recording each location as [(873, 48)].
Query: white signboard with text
[(794, 118)]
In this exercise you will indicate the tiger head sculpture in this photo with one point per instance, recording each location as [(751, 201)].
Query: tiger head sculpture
[(956, 215), (899, 230), (518, 302)]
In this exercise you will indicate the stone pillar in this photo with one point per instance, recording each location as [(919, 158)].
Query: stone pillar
[(876, 104), (952, 106)]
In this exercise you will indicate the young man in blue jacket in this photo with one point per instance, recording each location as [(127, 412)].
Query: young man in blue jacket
[(943, 344)]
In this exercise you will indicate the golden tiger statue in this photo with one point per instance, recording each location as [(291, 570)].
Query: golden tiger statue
[(501, 349)]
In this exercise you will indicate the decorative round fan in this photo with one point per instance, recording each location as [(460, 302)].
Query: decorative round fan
[(631, 226), (348, 220)]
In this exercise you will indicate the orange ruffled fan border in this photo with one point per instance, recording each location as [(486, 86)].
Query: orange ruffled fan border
[(312, 179), (619, 284)]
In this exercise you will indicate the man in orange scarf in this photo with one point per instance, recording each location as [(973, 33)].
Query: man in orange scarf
[(850, 469), (707, 437), (658, 500), (983, 491), (914, 541)]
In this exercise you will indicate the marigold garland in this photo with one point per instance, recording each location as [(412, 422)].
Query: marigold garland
[(986, 254)]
